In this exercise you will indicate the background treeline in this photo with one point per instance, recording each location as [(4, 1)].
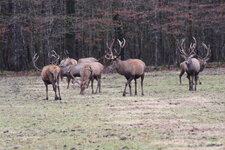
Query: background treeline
[(82, 27)]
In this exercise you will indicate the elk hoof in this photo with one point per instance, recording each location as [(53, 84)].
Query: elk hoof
[(124, 94), (200, 83)]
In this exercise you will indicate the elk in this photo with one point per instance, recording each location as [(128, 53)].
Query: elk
[(84, 71), (97, 69), (87, 60), (131, 68), (85, 74), (194, 65), (65, 66), (50, 75), (183, 65)]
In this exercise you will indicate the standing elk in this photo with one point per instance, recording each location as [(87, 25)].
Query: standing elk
[(65, 66), (194, 65), (183, 65), (131, 68), (97, 69), (50, 75)]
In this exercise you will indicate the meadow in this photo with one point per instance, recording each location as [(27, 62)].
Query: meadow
[(167, 117)]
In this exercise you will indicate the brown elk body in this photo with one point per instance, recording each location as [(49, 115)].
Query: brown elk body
[(97, 69), (82, 70), (131, 69), (87, 60), (50, 75), (65, 66), (193, 65)]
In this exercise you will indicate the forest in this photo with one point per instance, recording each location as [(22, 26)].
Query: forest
[(81, 28)]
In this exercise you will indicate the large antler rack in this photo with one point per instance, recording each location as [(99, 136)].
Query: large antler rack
[(192, 49)]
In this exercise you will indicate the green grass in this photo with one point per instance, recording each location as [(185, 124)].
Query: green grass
[(167, 117)]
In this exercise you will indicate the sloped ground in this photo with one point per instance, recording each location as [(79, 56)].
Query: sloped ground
[(167, 117)]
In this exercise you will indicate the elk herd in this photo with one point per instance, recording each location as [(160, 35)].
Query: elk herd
[(90, 69)]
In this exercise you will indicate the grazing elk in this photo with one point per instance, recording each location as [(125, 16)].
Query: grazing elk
[(131, 68), (79, 71), (85, 75), (50, 75), (194, 65), (65, 66), (87, 60)]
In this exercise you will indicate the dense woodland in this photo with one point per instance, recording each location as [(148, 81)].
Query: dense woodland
[(82, 27)]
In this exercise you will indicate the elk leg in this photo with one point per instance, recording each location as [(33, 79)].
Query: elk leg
[(46, 85), (68, 82), (189, 79), (97, 85), (54, 88), (100, 85), (59, 92), (196, 81), (92, 87), (127, 83), (180, 75), (130, 89), (192, 83), (142, 90), (135, 81)]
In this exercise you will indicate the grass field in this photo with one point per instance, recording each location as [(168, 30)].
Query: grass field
[(168, 117)]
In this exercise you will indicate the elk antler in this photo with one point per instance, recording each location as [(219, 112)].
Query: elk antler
[(109, 53), (34, 59), (182, 50), (122, 43), (111, 45), (192, 48), (208, 54), (54, 57)]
